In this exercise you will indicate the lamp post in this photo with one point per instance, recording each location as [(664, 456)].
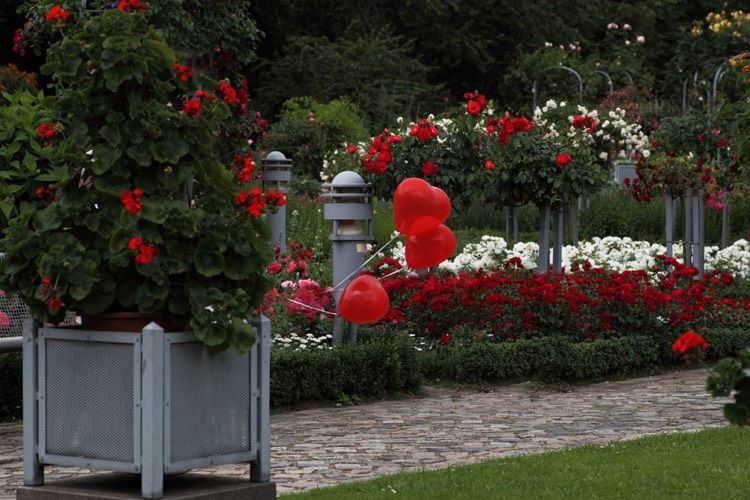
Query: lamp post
[(276, 174), (349, 207)]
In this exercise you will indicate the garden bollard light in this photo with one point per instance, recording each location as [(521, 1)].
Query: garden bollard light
[(349, 206), (276, 174)]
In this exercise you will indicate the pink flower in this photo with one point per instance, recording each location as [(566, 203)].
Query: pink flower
[(4, 320), (274, 267)]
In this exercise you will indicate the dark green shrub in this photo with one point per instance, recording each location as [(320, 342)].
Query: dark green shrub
[(725, 342), (371, 369), (307, 129)]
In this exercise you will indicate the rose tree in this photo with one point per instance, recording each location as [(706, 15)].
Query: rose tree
[(143, 216)]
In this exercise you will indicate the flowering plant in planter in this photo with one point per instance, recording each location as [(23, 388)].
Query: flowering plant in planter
[(144, 216)]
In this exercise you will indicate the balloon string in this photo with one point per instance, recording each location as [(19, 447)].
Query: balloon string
[(394, 272), (311, 307), (365, 263)]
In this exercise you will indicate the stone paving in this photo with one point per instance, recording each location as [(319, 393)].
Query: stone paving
[(330, 445)]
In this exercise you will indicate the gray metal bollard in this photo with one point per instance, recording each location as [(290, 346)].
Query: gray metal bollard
[(349, 206), (276, 174)]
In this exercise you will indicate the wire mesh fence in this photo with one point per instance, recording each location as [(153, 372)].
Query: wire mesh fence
[(13, 312)]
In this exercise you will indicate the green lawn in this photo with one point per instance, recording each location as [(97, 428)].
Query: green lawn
[(704, 465)]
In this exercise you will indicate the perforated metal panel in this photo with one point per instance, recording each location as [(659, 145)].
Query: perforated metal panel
[(89, 399), (209, 402)]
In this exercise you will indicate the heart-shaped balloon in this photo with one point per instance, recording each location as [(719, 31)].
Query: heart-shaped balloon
[(364, 300), (419, 206), (430, 248)]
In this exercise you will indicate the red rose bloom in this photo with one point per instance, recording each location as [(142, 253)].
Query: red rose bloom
[(131, 5), (563, 159), (18, 42), (57, 13), (446, 338), (473, 108), (688, 342), (351, 149), (489, 165), (429, 168)]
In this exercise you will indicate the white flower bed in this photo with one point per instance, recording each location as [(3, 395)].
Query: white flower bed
[(610, 252)]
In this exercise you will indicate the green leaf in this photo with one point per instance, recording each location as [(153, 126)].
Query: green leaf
[(111, 134), (141, 155), (154, 212), (244, 335), (170, 150), (239, 267), (105, 156), (50, 218), (118, 242), (216, 335), (208, 261)]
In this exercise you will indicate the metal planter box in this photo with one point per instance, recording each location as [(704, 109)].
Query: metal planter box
[(152, 403)]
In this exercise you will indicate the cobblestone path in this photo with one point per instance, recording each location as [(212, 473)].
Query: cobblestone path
[(331, 445)]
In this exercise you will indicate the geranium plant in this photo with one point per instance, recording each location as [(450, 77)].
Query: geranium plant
[(143, 215)]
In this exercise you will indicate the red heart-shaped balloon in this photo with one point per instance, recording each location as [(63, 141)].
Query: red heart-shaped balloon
[(430, 248), (419, 206), (364, 300)]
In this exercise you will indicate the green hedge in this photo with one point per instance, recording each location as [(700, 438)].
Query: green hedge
[(10, 386), (550, 358), (371, 369), (381, 367), (557, 358)]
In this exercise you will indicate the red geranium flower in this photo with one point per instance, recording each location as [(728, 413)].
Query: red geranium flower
[(192, 108), (54, 304), (688, 342), (132, 200), (563, 159), (184, 73), (227, 92), (47, 130)]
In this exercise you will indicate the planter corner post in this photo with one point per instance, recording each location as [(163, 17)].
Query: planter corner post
[(33, 470), (152, 410)]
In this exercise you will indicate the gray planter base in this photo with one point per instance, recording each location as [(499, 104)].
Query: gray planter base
[(153, 404), (119, 486)]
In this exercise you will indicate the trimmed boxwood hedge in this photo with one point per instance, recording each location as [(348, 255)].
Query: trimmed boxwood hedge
[(380, 367), (371, 369)]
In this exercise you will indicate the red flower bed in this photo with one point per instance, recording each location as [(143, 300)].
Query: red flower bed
[(584, 304)]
